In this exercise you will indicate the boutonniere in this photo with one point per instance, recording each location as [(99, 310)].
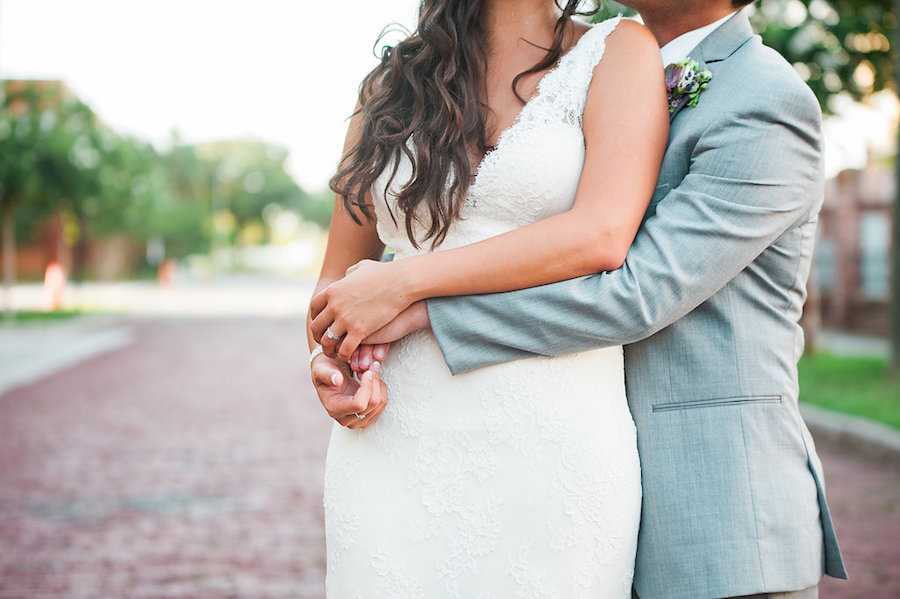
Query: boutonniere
[(684, 82)]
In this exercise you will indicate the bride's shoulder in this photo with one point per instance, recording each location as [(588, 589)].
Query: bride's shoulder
[(626, 44), (630, 54), (617, 30), (628, 35)]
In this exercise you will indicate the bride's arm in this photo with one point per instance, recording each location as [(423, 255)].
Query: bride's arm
[(352, 403), (348, 242), (625, 129)]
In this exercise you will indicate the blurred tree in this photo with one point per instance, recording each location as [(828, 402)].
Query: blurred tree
[(30, 153), (317, 208), (248, 176), (611, 9), (83, 184), (836, 46), (56, 156), (185, 222)]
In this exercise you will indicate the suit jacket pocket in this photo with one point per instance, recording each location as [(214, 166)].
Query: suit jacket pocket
[(715, 402)]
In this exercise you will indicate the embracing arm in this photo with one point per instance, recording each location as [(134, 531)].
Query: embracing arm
[(755, 172), (625, 127)]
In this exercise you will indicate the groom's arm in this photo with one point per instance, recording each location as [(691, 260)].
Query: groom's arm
[(754, 174)]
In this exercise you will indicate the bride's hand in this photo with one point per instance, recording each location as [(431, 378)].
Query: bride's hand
[(367, 298)]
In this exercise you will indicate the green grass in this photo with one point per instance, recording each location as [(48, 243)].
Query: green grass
[(857, 386), (40, 315)]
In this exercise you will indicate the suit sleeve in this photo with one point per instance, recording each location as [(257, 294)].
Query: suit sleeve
[(754, 173)]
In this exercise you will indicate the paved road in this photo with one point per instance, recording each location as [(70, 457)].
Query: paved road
[(189, 464)]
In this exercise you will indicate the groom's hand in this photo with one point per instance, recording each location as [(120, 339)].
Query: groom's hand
[(375, 347), (354, 404), (413, 318)]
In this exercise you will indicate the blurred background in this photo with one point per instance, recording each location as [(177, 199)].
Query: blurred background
[(163, 214)]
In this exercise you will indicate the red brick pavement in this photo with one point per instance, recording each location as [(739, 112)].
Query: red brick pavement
[(864, 497), (190, 465), (187, 465)]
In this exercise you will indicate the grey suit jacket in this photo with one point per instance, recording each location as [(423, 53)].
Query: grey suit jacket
[(708, 304)]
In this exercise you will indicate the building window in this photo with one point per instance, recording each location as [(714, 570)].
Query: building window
[(874, 257)]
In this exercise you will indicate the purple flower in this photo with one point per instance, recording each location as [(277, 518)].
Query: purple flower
[(684, 82)]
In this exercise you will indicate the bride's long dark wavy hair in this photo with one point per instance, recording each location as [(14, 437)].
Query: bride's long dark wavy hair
[(429, 91)]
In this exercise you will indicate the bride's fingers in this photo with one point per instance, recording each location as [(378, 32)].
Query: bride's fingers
[(332, 337), (319, 323), (370, 398), (325, 373), (362, 401), (317, 304), (378, 398), (353, 412), (354, 361), (370, 419), (347, 345), (351, 421), (331, 346)]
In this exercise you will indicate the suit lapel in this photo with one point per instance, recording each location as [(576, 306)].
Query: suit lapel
[(725, 40), (718, 46)]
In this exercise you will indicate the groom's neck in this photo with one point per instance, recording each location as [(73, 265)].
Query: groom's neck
[(667, 22)]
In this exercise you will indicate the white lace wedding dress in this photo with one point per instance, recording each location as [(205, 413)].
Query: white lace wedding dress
[(519, 480)]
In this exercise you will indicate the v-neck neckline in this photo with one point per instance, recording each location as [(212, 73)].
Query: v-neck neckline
[(537, 93)]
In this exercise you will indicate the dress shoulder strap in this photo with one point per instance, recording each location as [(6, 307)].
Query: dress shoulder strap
[(563, 91), (577, 67)]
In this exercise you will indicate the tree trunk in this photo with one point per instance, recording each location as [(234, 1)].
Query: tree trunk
[(80, 251), (9, 257), (811, 320), (895, 268), (895, 261)]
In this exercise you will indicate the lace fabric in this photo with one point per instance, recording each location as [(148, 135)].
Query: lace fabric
[(516, 480)]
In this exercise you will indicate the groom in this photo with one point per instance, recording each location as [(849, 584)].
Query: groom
[(707, 304)]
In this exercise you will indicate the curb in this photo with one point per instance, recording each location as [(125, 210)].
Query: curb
[(868, 437), (32, 351)]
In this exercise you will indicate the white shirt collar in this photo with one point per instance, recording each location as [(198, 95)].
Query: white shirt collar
[(679, 47)]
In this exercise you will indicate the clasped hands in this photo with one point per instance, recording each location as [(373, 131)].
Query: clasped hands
[(364, 312)]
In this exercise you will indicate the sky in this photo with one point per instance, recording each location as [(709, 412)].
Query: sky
[(286, 72)]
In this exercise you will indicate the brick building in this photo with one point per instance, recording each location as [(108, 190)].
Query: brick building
[(853, 253)]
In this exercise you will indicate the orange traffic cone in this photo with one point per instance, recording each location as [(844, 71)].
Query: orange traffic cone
[(165, 274), (54, 286)]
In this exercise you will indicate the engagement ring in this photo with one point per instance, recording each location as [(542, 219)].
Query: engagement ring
[(358, 415), (331, 335)]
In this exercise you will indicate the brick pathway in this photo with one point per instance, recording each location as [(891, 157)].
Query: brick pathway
[(190, 465)]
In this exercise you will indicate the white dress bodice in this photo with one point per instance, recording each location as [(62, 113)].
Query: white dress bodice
[(532, 173)]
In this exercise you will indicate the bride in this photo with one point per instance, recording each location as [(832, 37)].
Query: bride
[(503, 145)]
